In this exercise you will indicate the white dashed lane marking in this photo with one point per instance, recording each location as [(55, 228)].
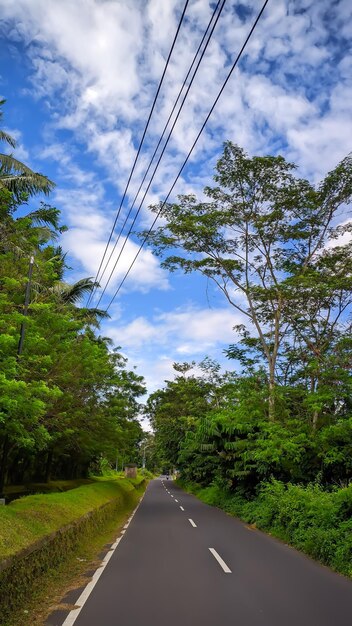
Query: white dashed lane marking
[(220, 561), (192, 523)]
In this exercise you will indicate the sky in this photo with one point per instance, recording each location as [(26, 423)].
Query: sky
[(79, 77)]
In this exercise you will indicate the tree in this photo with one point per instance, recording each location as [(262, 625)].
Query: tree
[(261, 231), (68, 399), (16, 176), (175, 411)]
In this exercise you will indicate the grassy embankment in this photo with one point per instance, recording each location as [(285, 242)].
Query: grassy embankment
[(13, 492), (317, 522), (44, 537)]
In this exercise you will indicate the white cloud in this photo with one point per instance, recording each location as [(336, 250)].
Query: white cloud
[(104, 59), (95, 65), (83, 243), (187, 333), (189, 329)]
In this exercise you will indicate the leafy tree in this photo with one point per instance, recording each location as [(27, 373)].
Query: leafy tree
[(68, 398), (174, 410), (258, 236), (16, 176)]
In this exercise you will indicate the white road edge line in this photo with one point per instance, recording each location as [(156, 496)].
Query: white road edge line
[(72, 616), (220, 561), (192, 523), (181, 507)]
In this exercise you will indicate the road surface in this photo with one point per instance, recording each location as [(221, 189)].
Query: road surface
[(183, 563)]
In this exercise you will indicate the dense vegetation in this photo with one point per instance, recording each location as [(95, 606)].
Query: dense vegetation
[(276, 434), (67, 397)]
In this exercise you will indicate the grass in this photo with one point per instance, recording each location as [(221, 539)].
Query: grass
[(47, 594), (18, 491), (30, 518)]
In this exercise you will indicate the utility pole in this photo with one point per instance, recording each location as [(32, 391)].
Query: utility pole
[(26, 304)]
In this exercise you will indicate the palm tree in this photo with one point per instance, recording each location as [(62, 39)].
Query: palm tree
[(16, 176), (67, 294), (44, 222)]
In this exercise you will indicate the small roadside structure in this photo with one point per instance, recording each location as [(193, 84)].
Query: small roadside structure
[(131, 470)]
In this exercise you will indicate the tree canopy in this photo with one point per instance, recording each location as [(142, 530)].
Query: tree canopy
[(280, 252), (67, 397), (264, 237)]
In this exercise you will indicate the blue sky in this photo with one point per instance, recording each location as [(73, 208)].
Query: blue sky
[(79, 77)]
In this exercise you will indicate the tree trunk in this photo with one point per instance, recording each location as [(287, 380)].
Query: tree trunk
[(313, 386), (3, 464), (48, 466), (271, 401)]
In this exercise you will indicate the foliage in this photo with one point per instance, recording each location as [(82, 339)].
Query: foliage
[(17, 177), (67, 397), (271, 443), (264, 237), (175, 411), (273, 244)]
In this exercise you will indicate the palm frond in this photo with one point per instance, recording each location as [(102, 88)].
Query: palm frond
[(107, 340), (71, 294), (4, 136), (91, 317), (18, 178), (45, 216), (99, 313), (46, 234)]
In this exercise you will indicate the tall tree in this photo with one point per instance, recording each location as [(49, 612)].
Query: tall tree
[(259, 227), (68, 399)]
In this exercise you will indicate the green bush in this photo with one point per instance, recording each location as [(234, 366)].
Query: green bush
[(145, 473)]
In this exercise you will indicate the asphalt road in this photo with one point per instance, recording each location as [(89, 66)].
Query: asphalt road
[(163, 573)]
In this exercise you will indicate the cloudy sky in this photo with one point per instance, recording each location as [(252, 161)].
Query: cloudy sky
[(79, 77)]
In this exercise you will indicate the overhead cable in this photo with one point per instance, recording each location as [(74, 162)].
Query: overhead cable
[(163, 150), (139, 147), (163, 133), (191, 150)]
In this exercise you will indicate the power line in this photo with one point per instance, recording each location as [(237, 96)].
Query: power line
[(162, 152), (140, 146), (191, 150), (161, 137)]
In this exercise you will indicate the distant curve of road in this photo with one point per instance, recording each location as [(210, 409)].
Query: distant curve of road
[(182, 563)]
